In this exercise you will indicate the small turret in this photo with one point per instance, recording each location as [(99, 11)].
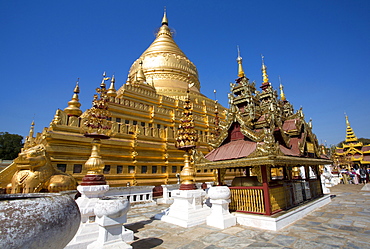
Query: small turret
[(265, 83), (140, 76), (112, 91), (73, 108), (32, 129), (282, 95)]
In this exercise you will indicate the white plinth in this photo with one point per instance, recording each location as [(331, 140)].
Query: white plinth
[(89, 197), (187, 209), (282, 219)]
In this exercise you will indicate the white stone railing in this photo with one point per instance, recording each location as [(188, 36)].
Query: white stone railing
[(135, 194)]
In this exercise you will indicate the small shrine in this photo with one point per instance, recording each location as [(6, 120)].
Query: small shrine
[(353, 153), (269, 145)]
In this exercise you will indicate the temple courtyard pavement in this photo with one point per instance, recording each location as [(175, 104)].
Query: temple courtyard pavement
[(343, 223)]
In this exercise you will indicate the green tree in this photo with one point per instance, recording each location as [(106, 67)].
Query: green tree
[(10, 145)]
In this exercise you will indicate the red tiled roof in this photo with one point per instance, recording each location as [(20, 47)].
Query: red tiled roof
[(294, 143), (262, 118), (339, 150), (234, 149), (289, 152), (366, 148), (324, 157), (289, 125), (366, 158)]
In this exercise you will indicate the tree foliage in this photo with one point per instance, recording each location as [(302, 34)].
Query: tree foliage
[(10, 145)]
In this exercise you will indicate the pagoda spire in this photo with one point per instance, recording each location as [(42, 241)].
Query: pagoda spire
[(264, 71), (164, 19), (140, 76), (112, 91), (240, 64), (73, 108), (350, 134), (265, 82), (282, 95), (32, 129)]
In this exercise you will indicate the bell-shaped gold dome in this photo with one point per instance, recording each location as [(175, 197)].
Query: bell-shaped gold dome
[(166, 66)]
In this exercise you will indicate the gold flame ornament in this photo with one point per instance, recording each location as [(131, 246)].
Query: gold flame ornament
[(186, 140), (97, 123)]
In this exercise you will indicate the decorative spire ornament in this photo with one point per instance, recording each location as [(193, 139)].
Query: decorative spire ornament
[(73, 108), (140, 76), (112, 91), (216, 131), (186, 140), (164, 19), (97, 126), (282, 95), (239, 59), (265, 77)]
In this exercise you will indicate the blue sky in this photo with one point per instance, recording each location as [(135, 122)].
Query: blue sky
[(320, 49)]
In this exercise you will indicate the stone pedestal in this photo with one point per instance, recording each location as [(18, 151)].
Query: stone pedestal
[(89, 197), (187, 209), (111, 213), (220, 216)]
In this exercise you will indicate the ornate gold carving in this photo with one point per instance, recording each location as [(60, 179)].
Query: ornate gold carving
[(256, 170)]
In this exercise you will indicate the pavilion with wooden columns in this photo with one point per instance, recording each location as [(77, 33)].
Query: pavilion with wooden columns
[(270, 146)]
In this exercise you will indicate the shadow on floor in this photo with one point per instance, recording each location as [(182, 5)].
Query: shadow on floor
[(146, 243)]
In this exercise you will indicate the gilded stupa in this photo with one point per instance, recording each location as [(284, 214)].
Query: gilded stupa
[(145, 114), (165, 66), (352, 153)]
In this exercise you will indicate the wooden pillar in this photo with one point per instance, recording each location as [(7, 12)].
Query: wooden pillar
[(319, 178), (307, 172), (266, 193), (219, 177)]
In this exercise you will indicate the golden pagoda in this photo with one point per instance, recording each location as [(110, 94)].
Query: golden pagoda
[(145, 114), (353, 152)]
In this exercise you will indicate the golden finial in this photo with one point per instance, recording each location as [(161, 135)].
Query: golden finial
[(347, 121), (164, 19), (102, 85), (77, 88), (264, 70), (240, 66), (282, 95), (73, 108), (112, 91)]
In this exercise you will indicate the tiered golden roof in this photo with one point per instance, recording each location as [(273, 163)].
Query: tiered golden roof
[(350, 134), (353, 152)]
